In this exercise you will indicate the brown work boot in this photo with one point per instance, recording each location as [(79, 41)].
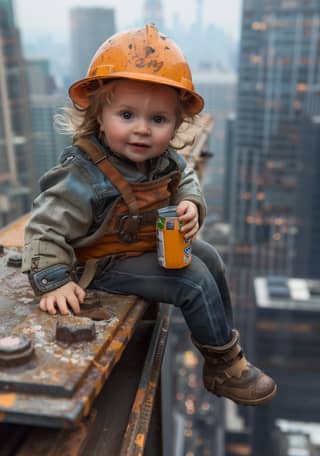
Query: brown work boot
[(226, 372)]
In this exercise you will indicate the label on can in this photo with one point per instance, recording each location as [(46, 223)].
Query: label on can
[(174, 251)]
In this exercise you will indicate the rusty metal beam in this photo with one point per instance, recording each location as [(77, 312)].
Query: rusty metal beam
[(57, 411), (53, 443), (138, 424), (54, 382)]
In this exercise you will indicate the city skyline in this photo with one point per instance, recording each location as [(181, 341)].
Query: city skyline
[(261, 186), (225, 16)]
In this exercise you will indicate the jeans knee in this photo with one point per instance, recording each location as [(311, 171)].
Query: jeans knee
[(196, 283), (220, 267), (210, 256)]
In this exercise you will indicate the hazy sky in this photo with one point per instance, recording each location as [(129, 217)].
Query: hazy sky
[(52, 15)]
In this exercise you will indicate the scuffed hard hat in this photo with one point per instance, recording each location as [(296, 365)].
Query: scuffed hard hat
[(144, 55)]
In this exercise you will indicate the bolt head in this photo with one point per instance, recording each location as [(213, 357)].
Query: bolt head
[(75, 329), (15, 350)]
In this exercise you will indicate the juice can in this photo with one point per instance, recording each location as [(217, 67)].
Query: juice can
[(174, 251)]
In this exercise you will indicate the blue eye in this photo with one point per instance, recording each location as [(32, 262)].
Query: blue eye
[(158, 119), (126, 115)]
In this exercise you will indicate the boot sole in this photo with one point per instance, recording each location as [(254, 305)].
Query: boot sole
[(260, 401)]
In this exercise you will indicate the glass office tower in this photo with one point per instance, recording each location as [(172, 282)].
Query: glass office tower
[(17, 183), (278, 98)]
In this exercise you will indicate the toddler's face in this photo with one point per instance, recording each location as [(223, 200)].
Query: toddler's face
[(141, 119)]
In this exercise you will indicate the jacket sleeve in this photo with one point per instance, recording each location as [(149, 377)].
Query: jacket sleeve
[(61, 214), (189, 188)]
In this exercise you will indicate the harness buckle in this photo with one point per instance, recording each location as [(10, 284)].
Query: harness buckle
[(129, 228)]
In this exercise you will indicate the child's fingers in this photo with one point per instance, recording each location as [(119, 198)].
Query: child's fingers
[(43, 304), (190, 214), (190, 229), (62, 305), (190, 234), (68, 296), (80, 293), (50, 304), (73, 302), (187, 226), (181, 208)]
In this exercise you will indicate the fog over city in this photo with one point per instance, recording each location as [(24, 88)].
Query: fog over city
[(52, 17), (255, 151)]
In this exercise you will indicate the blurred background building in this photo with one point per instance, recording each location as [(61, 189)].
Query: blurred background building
[(262, 188), (16, 166), (89, 28), (278, 101), (153, 12), (45, 101), (273, 207), (218, 88), (286, 342)]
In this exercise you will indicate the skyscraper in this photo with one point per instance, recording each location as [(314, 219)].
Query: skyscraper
[(48, 143), (153, 12), (278, 88), (16, 167), (45, 102), (275, 184), (218, 88), (90, 27), (230, 125), (308, 196), (287, 346)]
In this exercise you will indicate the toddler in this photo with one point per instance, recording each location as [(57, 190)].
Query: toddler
[(99, 205)]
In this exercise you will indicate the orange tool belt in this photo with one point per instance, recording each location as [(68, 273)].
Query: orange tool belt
[(131, 221)]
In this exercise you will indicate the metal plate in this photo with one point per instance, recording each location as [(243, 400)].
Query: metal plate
[(57, 387), (58, 368)]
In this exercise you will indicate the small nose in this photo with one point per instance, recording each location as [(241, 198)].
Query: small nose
[(142, 127)]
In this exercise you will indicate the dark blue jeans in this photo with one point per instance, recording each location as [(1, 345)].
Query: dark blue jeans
[(200, 290)]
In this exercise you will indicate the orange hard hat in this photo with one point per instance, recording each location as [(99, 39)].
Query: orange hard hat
[(142, 54)]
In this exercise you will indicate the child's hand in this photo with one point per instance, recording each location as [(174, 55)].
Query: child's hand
[(70, 294), (187, 212)]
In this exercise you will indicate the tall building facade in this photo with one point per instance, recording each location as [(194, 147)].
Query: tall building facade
[(16, 166), (275, 187), (308, 197), (90, 27), (45, 101), (153, 12), (287, 346), (48, 143), (218, 89), (230, 125), (297, 438), (40, 81), (278, 89)]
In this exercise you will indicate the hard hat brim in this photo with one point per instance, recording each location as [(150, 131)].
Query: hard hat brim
[(80, 91)]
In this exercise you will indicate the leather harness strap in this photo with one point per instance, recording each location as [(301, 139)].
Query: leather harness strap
[(99, 158), (129, 227)]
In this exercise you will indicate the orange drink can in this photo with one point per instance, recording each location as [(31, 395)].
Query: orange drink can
[(174, 251)]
